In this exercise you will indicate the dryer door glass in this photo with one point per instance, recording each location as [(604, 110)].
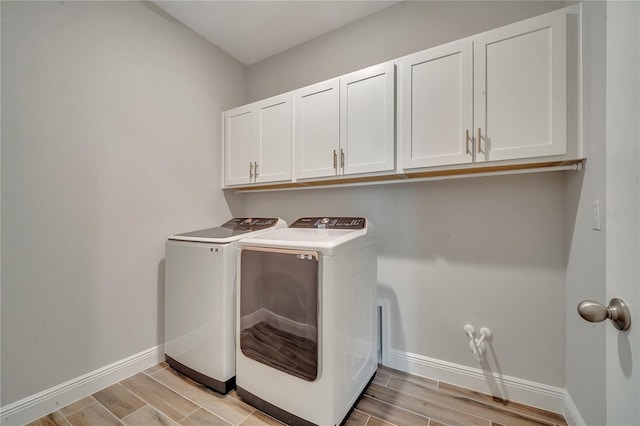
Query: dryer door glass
[(279, 309)]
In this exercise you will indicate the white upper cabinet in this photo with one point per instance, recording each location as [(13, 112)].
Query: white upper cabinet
[(500, 95), (258, 142), (509, 97), (274, 131), (238, 128), (317, 130), (367, 118), (520, 96), (436, 108), (345, 126)]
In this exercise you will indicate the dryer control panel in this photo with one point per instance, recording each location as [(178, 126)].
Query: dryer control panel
[(330, 223)]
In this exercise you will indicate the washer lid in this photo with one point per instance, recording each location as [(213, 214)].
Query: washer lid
[(233, 230)]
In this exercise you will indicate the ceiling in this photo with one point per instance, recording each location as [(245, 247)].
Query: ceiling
[(251, 31)]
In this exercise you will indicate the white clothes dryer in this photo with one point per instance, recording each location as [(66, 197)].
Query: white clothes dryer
[(200, 272), (306, 319)]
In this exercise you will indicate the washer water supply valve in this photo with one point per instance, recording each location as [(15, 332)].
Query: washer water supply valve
[(478, 346)]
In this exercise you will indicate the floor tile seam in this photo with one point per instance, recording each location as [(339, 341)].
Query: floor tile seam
[(158, 367), (551, 422), (147, 404), (156, 408), (197, 404), (133, 412), (395, 406), (366, 414), (518, 411), (417, 381), (180, 394), (243, 420), (198, 407), (176, 390), (269, 416), (514, 411), (539, 417), (68, 423), (108, 411), (527, 416), (126, 389), (217, 415), (79, 409), (371, 416), (385, 382), (470, 411), (75, 411), (444, 407)]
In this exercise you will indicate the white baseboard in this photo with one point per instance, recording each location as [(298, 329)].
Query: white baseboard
[(511, 388), (35, 406), (571, 412), (523, 391)]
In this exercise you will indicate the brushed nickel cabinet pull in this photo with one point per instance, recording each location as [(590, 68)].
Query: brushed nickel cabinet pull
[(255, 169), (250, 170), (467, 139), (335, 160), (342, 158), (479, 140)]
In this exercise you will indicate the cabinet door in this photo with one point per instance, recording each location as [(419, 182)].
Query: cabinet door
[(238, 128), (367, 124), (520, 89), (436, 106), (274, 127), (317, 130)]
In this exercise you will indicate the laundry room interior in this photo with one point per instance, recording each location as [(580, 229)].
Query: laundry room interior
[(113, 140)]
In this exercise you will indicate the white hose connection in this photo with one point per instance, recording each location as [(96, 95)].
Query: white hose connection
[(478, 346)]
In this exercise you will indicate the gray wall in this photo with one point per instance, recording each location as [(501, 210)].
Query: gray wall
[(110, 110), (486, 251)]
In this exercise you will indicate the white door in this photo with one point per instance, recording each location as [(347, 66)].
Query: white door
[(237, 145), (436, 106), (367, 120), (317, 130), (272, 150), (623, 204), (520, 89)]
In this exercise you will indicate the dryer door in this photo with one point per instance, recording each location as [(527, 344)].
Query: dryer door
[(279, 309)]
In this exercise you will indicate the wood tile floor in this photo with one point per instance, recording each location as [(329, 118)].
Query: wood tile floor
[(161, 396)]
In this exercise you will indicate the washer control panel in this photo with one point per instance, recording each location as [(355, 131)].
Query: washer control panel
[(330, 223), (250, 223)]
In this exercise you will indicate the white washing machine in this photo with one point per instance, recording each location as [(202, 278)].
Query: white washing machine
[(200, 271), (306, 319)]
